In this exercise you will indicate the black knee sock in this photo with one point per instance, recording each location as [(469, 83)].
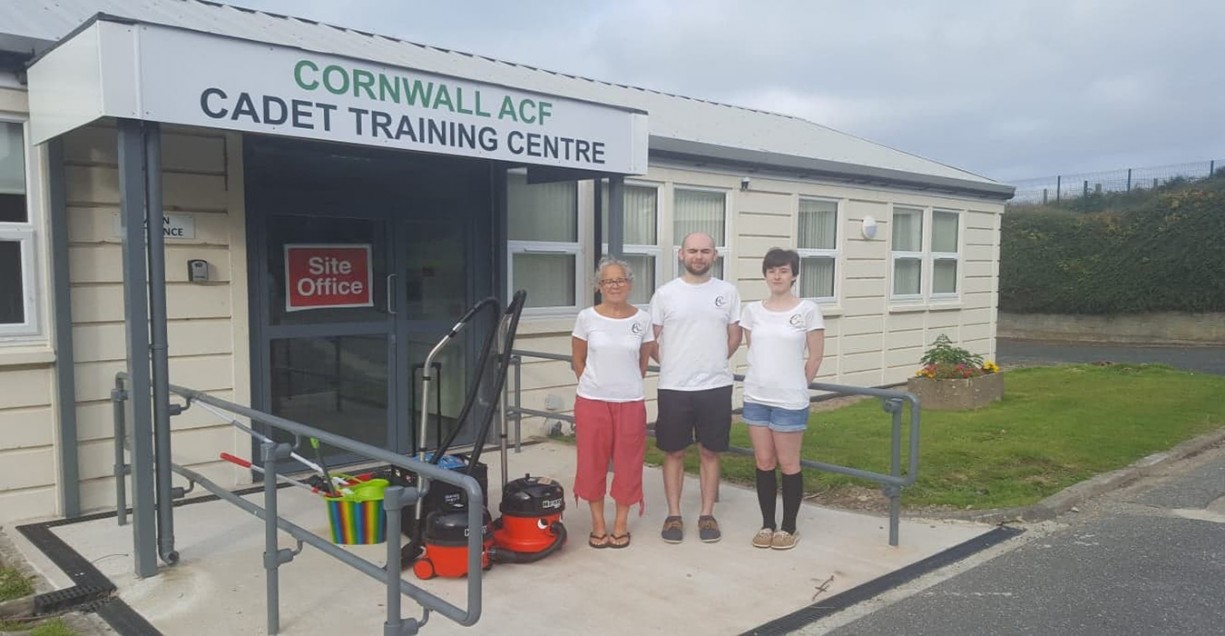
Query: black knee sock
[(793, 492), (767, 495)]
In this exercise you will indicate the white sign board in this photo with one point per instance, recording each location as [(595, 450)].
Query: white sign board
[(174, 226), (177, 76)]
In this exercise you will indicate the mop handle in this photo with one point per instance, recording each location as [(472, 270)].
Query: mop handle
[(246, 464), (263, 438)]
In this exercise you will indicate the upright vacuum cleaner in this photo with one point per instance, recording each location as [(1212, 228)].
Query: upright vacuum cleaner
[(531, 526)]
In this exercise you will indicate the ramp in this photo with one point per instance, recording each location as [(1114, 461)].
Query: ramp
[(650, 588)]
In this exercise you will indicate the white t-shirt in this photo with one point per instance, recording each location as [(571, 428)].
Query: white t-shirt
[(777, 341), (614, 345), (693, 344)]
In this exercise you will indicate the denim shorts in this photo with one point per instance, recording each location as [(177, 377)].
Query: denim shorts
[(780, 420)]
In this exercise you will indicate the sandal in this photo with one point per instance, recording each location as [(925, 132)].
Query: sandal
[(619, 541), (597, 541)]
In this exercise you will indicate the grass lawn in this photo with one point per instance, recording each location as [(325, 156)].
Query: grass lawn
[(13, 584), (1056, 426), (50, 627)]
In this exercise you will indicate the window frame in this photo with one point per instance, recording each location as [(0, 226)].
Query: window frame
[(926, 257), (724, 251), (896, 255), (946, 256), (551, 248), (654, 252), (834, 254), (27, 236)]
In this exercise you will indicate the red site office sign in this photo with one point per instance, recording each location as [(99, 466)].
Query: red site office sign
[(327, 276)]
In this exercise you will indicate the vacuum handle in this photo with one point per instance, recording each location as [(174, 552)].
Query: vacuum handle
[(420, 444), (472, 311)]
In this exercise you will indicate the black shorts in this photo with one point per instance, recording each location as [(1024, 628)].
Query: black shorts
[(684, 416)]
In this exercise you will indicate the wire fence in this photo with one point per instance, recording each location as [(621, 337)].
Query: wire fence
[(1073, 186)]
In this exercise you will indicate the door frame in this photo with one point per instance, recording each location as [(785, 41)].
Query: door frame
[(484, 243)]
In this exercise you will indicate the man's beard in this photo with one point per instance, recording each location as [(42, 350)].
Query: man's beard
[(698, 272)]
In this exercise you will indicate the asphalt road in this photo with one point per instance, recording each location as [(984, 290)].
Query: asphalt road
[(1204, 359), (1146, 560)]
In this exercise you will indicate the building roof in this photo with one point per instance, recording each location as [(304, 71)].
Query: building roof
[(681, 127)]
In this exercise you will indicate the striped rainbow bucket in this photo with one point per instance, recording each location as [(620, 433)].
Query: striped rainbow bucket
[(359, 518)]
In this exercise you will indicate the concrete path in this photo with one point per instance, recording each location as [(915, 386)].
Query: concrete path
[(651, 588), (1148, 559)]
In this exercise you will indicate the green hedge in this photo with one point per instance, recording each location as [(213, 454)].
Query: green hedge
[(1166, 256)]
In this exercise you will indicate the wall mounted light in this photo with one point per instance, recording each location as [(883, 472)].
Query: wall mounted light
[(868, 228), (744, 183)]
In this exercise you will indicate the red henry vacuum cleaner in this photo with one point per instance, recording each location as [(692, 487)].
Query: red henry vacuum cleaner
[(530, 527)]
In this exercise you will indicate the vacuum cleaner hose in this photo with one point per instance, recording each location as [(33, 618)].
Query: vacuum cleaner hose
[(503, 555)]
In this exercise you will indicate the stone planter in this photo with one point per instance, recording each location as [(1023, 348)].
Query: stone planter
[(957, 395)]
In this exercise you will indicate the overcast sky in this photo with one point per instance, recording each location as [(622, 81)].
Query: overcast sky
[(1009, 89)]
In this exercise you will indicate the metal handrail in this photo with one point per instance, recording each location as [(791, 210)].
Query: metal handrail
[(892, 401), (395, 499)]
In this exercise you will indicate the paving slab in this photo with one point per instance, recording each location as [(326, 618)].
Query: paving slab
[(652, 587)]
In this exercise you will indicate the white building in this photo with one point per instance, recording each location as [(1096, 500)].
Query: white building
[(284, 139)]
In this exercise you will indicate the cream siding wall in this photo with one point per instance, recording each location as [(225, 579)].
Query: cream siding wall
[(27, 444), (870, 341), (27, 381), (207, 323)]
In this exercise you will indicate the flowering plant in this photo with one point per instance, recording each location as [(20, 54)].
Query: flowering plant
[(944, 361)]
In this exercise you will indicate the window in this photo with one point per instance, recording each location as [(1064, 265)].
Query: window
[(701, 211), (543, 241), (907, 252), (919, 256), (17, 281), (641, 241), (945, 252), (817, 245)]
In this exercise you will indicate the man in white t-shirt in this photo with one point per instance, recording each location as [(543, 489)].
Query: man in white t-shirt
[(697, 328)]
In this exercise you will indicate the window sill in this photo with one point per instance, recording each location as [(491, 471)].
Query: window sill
[(26, 356), (551, 323), (928, 306)]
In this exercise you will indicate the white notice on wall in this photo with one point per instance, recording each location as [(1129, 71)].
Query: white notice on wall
[(174, 226)]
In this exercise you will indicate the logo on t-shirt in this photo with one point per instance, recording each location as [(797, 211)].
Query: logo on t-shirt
[(720, 302), (636, 328), (796, 320)]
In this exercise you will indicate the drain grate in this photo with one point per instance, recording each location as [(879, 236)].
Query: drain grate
[(92, 592), (70, 598)]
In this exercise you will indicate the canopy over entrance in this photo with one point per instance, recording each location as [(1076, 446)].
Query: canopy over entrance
[(117, 67)]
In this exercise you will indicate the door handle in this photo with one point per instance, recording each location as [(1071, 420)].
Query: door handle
[(391, 294)]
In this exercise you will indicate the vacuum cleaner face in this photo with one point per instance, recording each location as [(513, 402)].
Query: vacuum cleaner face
[(531, 515)]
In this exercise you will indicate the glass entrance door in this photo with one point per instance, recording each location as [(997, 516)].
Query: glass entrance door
[(357, 370), (330, 348), (416, 231)]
